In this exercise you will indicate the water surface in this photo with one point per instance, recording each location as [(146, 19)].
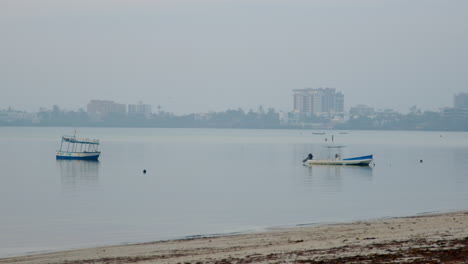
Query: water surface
[(210, 181)]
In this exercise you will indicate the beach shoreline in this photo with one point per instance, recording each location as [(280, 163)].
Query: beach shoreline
[(428, 238)]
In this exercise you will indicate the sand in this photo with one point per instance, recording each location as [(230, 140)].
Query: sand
[(436, 238)]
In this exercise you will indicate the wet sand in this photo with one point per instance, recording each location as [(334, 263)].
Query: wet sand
[(436, 238)]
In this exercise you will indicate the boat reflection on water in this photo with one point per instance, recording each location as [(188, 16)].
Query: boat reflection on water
[(333, 177), (79, 174)]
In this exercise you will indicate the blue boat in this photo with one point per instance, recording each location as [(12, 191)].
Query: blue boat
[(355, 161), (72, 147)]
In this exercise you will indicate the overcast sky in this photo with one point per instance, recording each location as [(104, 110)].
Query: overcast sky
[(212, 55)]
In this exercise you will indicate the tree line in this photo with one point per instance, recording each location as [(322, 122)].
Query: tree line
[(239, 118)]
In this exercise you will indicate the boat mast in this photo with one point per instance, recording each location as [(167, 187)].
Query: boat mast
[(61, 142)]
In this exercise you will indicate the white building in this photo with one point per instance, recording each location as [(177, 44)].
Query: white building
[(139, 109), (461, 101), (99, 109), (320, 102)]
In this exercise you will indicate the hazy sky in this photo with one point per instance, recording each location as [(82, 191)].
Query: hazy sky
[(212, 55)]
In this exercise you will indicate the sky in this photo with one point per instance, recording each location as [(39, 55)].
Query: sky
[(212, 55)]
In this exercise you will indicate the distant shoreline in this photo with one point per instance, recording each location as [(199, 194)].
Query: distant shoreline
[(248, 128), (432, 236)]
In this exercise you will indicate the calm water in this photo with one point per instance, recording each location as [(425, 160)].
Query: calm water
[(210, 181)]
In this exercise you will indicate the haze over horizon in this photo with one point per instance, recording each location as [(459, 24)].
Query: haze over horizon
[(207, 55)]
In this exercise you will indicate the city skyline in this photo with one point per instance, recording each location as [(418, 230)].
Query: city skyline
[(448, 98), (320, 108), (147, 108)]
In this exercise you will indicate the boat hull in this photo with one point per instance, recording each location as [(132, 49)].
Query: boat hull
[(357, 161), (78, 155)]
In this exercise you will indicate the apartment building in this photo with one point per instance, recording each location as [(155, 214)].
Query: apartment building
[(320, 102), (99, 109)]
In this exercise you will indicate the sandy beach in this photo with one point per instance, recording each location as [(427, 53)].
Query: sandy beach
[(435, 238)]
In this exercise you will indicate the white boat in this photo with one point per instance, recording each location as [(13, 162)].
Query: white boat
[(72, 147), (356, 161)]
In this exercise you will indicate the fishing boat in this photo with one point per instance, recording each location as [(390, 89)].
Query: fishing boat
[(72, 147), (334, 150), (356, 161), (318, 133)]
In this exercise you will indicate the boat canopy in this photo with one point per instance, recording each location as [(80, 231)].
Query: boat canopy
[(73, 139)]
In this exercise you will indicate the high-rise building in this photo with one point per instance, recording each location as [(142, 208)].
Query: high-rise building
[(139, 109), (320, 102), (339, 102), (98, 109), (460, 100)]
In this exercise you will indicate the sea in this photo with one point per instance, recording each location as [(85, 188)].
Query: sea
[(202, 182)]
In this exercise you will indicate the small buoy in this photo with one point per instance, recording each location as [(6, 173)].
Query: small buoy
[(420, 161), (144, 171)]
